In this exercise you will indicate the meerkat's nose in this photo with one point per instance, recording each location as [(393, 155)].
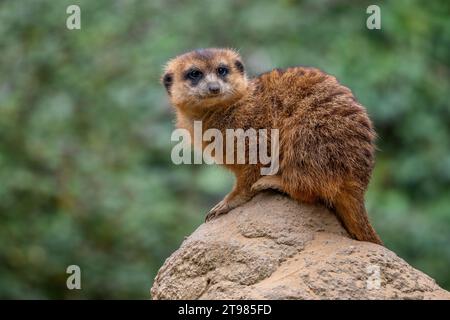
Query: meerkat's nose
[(214, 87)]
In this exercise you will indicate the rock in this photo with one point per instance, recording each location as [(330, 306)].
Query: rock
[(276, 248)]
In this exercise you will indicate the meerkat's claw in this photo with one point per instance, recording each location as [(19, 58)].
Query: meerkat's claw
[(221, 208)]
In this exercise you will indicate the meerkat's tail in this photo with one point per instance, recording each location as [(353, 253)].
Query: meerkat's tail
[(352, 213)]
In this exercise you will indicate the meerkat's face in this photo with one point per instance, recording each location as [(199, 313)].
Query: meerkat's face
[(205, 78)]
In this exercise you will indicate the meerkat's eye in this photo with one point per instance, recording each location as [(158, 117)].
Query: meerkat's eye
[(222, 71), (194, 74)]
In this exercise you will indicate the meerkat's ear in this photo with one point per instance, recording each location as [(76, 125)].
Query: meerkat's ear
[(167, 81), (239, 65)]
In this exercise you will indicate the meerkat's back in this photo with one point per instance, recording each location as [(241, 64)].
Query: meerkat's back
[(326, 143)]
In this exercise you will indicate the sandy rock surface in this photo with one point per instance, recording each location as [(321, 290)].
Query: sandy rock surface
[(276, 248)]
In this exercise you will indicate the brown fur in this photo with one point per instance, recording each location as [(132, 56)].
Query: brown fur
[(326, 137)]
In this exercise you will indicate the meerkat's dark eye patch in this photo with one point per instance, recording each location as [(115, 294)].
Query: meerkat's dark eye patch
[(239, 66), (222, 70), (168, 81), (194, 75)]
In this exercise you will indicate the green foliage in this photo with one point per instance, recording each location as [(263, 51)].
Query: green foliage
[(85, 169)]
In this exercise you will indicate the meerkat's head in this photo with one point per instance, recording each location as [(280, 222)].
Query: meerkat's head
[(205, 78)]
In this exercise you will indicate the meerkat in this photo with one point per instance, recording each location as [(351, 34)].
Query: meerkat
[(326, 139)]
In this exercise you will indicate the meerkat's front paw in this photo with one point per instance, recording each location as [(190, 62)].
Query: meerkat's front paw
[(221, 208)]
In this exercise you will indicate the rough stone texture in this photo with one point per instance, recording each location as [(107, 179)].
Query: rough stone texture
[(275, 248)]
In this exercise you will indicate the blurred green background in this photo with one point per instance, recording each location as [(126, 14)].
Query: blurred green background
[(85, 170)]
